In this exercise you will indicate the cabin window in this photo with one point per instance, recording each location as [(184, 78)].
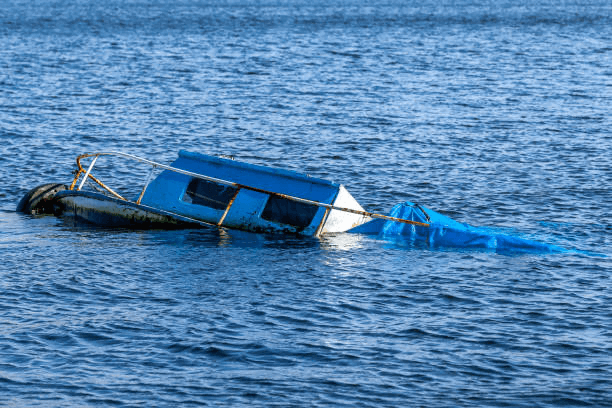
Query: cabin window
[(289, 212), (209, 194)]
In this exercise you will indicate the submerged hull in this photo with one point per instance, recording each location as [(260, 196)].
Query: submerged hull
[(99, 209), (106, 211)]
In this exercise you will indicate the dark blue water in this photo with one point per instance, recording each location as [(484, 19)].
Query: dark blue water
[(495, 113)]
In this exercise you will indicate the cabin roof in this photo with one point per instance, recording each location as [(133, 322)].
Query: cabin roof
[(247, 173)]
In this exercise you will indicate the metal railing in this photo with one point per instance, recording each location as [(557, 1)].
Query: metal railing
[(237, 186)]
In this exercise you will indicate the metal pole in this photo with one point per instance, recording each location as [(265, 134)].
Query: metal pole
[(146, 184), (87, 172)]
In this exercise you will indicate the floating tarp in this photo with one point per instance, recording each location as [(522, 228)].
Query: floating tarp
[(446, 232)]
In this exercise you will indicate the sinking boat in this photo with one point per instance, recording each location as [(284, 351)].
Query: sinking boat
[(199, 190)]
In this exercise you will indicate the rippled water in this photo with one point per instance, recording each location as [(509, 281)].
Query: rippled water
[(495, 113)]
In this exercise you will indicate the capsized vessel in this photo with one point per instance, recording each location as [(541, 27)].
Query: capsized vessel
[(199, 190)]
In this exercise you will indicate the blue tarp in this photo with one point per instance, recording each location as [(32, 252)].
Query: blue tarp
[(446, 232)]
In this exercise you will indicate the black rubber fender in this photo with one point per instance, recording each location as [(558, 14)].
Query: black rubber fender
[(39, 200)]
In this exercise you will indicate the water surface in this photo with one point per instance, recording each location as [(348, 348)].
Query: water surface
[(495, 113)]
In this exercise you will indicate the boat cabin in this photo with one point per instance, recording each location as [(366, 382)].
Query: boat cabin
[(257, 198)]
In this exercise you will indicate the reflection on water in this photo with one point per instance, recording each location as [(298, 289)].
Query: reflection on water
[(344, 242)]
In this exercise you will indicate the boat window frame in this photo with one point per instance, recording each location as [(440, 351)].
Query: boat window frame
[(220, 198), (289, 208)]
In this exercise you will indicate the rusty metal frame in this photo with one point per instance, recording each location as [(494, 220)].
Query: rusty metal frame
[(238, 186), (229, 205), (88, 174), (146, 184), (322, 223)]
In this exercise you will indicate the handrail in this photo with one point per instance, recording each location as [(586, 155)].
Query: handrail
[(219, 181)]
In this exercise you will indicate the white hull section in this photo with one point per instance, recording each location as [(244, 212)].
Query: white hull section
[(341, 221)]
